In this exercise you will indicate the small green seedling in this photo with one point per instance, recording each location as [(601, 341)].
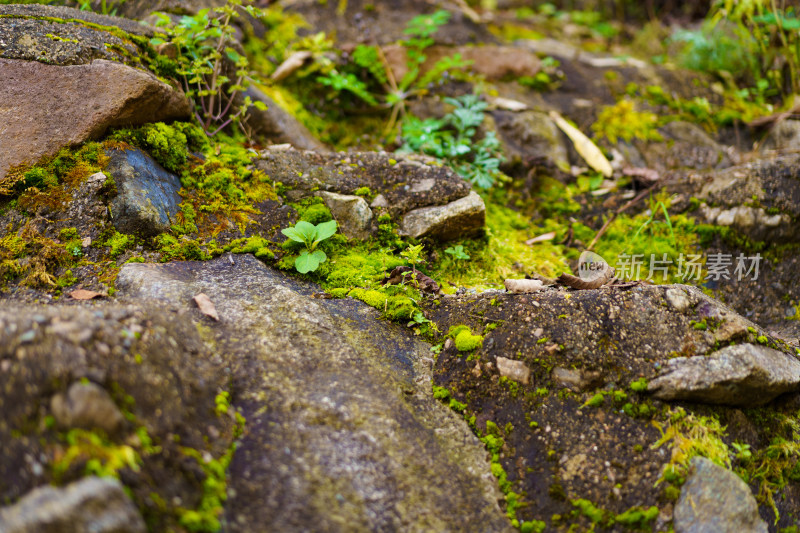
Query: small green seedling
[(310, 235), (457, 252), (413, 254)]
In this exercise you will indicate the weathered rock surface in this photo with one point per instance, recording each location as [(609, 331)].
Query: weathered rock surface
[(516, 370), (743, 375), (406, 183), (760, 199), (147, 195), (463, 217), (97, 505), (351, 212), (64, 36), (342, 431), (71, 17), (584, 427), (531, 136), (86, 406), (715, 500), (91, 98), (152, 362), (67, 80)]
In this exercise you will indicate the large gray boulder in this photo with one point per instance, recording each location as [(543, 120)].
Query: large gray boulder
[(715, 500), (91, 505), (342, 430), (152, 363)]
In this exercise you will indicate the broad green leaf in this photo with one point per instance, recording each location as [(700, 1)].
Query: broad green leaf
[(325, 230), (261, 106), (320, 255), (306, 262), (232, 55), (293, 234), (307, 230), (791, 24)]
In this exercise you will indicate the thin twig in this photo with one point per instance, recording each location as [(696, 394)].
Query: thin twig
[(613, 217)]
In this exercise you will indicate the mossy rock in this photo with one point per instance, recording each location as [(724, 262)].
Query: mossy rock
[(59, 35), (584, 443), (146, 358), (400, 183)]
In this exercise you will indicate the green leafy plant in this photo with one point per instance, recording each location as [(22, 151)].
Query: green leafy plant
[(453, 138), (371, 59), (106, 7), (457, 252), (748, 41), (310, 235), (413, 254), (207, 54)]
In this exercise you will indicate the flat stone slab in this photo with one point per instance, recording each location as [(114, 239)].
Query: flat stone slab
[(401, 183), (739, 375), (462, 217), (44, 107)]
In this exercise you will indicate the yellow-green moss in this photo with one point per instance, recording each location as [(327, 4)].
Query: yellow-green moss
[(370, 297), (623, 122), (498, 256), (118, 243), (315, 213), (168, 144), (257, 245), (465, 341)]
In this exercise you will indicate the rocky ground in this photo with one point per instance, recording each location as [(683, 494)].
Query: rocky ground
[(166, 367)]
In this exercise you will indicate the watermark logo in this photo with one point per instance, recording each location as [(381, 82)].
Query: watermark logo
[(689, 267), (592, 267)]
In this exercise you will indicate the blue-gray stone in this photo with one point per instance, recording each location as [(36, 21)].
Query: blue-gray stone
[(715, 500), (147, 195)]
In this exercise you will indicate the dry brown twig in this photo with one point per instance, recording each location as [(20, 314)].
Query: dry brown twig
[(619, 211)]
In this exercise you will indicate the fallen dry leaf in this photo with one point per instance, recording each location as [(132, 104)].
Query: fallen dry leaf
[(206, 306), (292, 63), (508, 104), (542, 238), (405, 275), (584, 146), (577, 283), (83, 294)]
